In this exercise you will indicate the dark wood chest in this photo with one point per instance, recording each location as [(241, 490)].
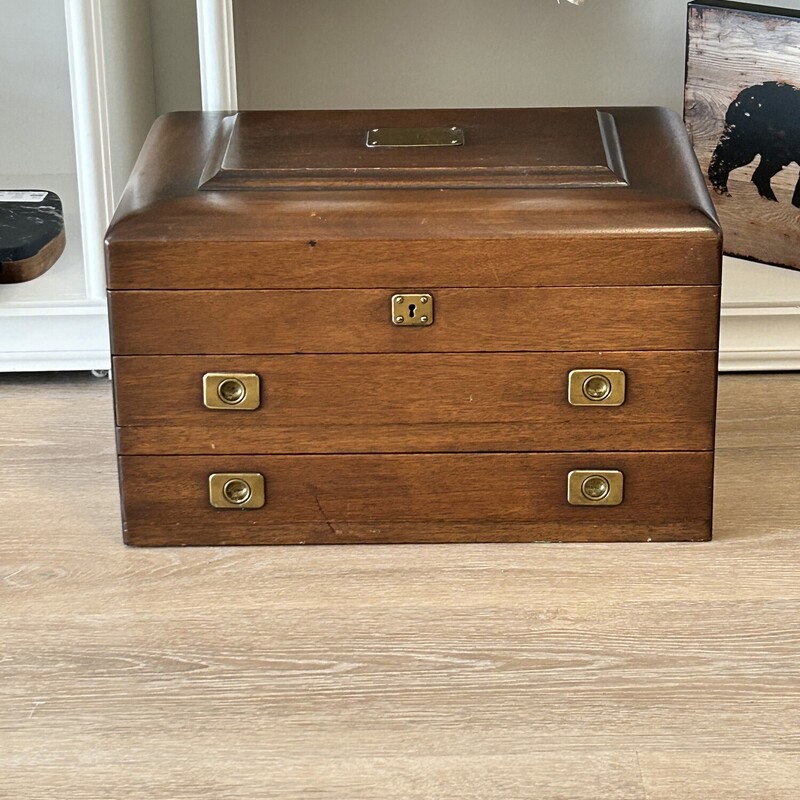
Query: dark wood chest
[(415, 326)]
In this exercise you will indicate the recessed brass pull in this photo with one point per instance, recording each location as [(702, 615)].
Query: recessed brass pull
[(236, 490), (596, 387), (231, 391), (412, 309), (595, 487)]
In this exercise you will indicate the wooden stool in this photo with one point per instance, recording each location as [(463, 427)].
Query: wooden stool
[(31, 234)]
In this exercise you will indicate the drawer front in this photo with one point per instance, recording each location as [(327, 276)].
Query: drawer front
[(415, 403), (415, 498), (512, 260), (465, 320)]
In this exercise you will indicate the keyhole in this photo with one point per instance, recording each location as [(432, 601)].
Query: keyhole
[(411, 308)]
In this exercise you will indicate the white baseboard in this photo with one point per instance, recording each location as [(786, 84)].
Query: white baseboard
[(54, 337), (760, 328), (761, 338)]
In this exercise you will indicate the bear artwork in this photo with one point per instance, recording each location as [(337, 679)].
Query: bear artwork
[(763, 120), (742, 111)]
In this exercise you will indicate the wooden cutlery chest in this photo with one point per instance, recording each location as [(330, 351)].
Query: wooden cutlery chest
[(415, 326)]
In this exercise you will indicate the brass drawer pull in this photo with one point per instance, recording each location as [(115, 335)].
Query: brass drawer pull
[(236, 490), (412, 309), (596, 387), (595, 487), (234, 391)]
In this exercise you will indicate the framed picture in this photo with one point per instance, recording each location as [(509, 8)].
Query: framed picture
[(742, 110)]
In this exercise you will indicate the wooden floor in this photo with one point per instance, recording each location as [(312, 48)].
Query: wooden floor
[(582, 672)]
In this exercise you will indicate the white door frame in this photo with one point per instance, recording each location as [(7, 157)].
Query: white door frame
[(87, 79), (217, 55)]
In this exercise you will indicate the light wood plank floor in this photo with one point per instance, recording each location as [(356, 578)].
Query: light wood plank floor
[(663, 672)]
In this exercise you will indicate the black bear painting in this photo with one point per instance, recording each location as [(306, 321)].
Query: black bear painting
[(742, 110), (763, 120)]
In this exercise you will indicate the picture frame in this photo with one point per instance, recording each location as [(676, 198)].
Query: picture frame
[(742, 111)]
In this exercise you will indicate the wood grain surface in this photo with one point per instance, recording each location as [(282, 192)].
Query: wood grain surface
[(429, 497), (163, 205), (415, 403), (312, 149), (493, 672), (359, 321), (669, 257)]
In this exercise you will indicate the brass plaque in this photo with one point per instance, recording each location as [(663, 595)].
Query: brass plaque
[(415, 137), (412, 309), (595, 487), (236, 490), (231, 391), (596, 387)]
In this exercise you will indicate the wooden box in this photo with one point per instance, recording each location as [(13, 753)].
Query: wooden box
[(415, 326)]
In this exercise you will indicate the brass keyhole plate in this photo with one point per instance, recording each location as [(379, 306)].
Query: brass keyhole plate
[(412, 309), (231, 391), (596, 387), (595, 487), (236, 490)]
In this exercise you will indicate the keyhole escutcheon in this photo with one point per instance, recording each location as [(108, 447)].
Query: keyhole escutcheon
[(412, 309)]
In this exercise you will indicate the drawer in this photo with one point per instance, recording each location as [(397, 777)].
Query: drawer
[(465, 320), (415, 403), (508, 257), (322, 499)]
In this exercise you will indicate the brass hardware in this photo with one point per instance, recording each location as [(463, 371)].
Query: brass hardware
[(415, 137), (234, 391), (236, 490), (594, 487), (596, 387), (407, 308)]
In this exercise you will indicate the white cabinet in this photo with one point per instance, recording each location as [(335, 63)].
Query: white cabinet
[(78, 98)]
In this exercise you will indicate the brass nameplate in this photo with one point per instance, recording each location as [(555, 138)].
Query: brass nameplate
[(415, 137)]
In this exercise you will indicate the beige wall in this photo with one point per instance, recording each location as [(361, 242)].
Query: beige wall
[(129, 76), (175, 57), (384, 53)]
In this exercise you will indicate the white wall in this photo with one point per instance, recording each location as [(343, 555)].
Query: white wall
[(176, 62), (383, 53), (36, 129), (131, 82), (373, 53)]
